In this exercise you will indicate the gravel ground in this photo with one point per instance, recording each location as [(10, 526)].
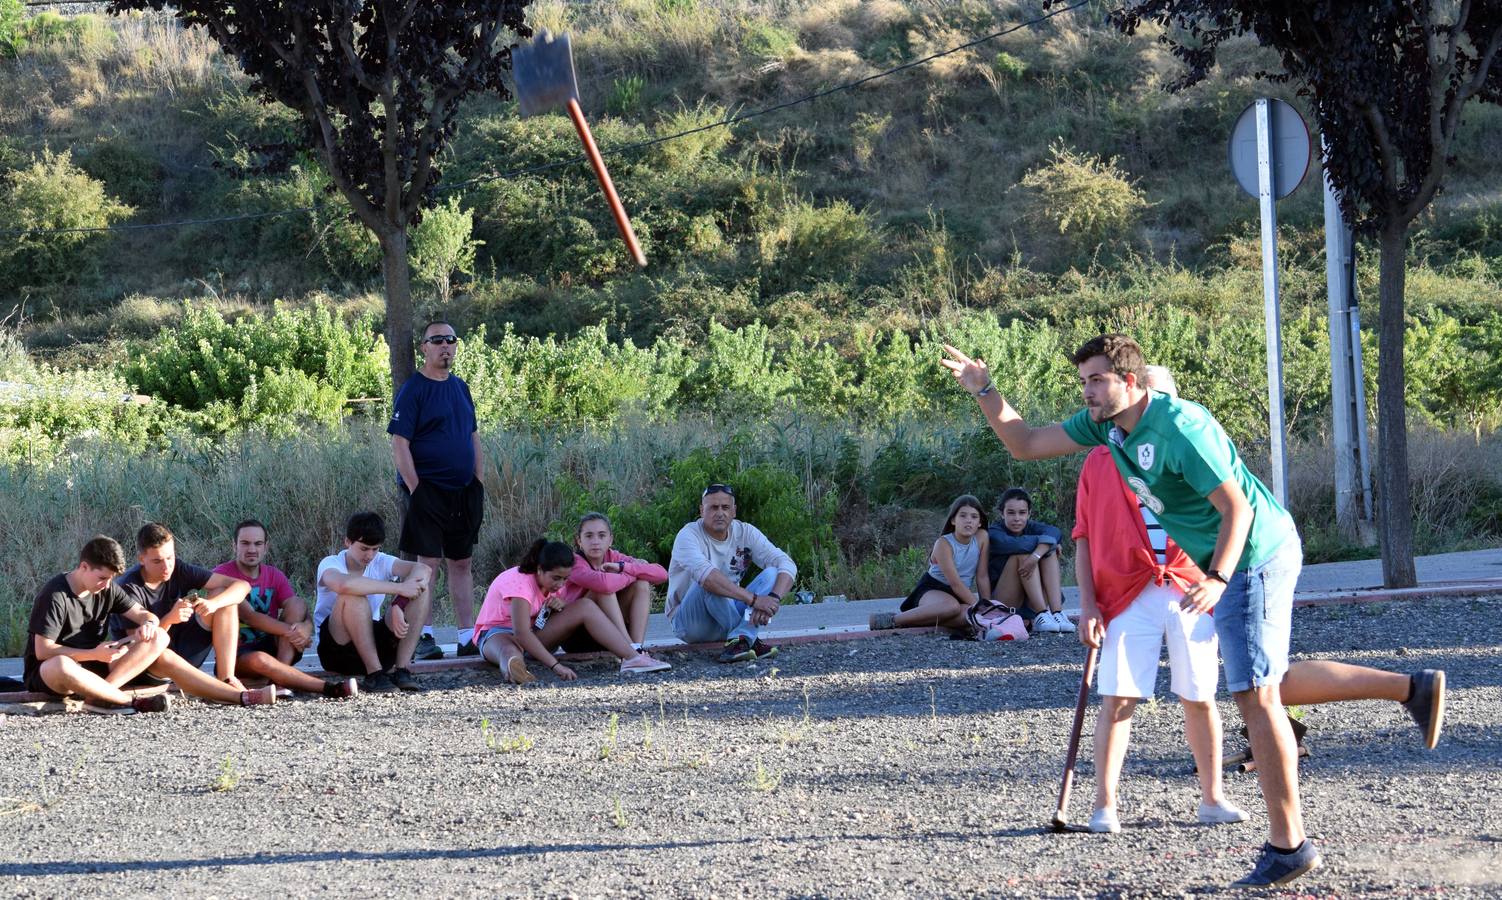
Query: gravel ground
[(906, 765)]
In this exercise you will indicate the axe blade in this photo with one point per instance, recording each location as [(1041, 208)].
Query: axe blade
[(544, 74)]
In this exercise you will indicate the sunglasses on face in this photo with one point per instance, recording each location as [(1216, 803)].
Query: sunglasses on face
[(441, 339), (718, 489)]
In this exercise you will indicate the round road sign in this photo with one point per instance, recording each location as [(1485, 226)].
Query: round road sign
[(1290, 148)]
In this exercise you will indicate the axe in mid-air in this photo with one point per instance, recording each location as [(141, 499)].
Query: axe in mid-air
[(544, 74)]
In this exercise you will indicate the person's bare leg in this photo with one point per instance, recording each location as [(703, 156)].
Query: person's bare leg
[(294, 613), (1314, 681), (417, 611), (1277, 765), (277, 672), (1202, 731), (435, 565), (508, 657), (1113, 731), (1053, 591), (638, 610), (1032, 586), (1010, 589), (461, 591), (610, 605), (224, 626), (934, 608), (599, 626), (63, 675), (352, 625), (136, 660), (192, 680)]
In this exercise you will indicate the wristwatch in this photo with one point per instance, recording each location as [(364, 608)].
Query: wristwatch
[(1218, 575)]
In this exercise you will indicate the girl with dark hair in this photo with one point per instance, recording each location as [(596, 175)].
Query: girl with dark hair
[(620, 585), (1025, 564), (523, 613), (957, 574)]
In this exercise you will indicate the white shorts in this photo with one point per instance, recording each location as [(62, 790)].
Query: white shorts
[(1134, 642)]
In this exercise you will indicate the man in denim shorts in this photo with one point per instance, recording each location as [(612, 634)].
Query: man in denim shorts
[(1178, 460)]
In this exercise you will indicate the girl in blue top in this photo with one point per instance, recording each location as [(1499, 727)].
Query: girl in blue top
[(958, 574), (1025, 564)]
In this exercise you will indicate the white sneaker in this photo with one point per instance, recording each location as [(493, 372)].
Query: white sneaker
[(1042, 622), (641, 663), (1222, 813), (1065, 623), (1051, 622), (1104, 821)]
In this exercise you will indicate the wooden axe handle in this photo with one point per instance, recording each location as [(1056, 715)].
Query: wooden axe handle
[(1078, 726), (616, 209)]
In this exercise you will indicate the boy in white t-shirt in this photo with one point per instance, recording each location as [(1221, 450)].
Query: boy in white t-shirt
[(353, 637)]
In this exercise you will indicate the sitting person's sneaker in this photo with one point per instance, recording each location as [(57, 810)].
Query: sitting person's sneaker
[(517, 672), (265, 696), (762, 649), (101, 708), (427, 648), (1043, 623), (467, 648), (1104, 821), (882, 621), (1065, 623), (403, 679), (1222, 813), (1274, 868), (379, 683), (641, 663), (154, 703), (340, 688), (738, 650), (1426, 703)]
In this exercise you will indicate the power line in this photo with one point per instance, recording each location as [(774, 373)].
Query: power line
[(575, 160)]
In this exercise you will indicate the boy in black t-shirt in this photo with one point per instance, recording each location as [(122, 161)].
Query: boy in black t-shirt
[(67, 650)]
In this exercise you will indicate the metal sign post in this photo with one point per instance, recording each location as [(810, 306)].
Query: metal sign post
[(1269, 156)]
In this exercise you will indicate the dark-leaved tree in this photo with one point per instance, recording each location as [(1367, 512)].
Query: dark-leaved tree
[(378, 84), (1387, 81)]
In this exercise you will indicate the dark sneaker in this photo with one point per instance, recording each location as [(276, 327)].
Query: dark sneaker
[(1426, 703), (265, 696), (100, 708), (1274, 868), (379, 683), (427, 648), (763, 650), (340, 688), (738, 650), (152, 704), (403, 679), (882, 621), (468, 648)]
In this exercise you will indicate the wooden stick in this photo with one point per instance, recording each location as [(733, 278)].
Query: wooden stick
[(616, 209), (1060, 816)]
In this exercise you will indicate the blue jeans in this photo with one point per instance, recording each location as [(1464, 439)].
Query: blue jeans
[(1254, 619), (702, 617)]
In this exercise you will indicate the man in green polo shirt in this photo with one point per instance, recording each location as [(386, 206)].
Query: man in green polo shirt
[(1178, 460)]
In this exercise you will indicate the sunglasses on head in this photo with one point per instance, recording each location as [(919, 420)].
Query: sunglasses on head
[(718, 488), (441, 339)]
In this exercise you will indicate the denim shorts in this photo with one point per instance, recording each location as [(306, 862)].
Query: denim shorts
[(489, 633), (1254, 618)]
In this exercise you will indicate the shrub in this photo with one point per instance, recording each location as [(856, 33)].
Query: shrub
[(1009, 67), (11, 15), (442, 244), (767, 42), (625, 95), (50, 195), (1082, 197), (684, 152), (129, 172), (48, 29), (803, 244)]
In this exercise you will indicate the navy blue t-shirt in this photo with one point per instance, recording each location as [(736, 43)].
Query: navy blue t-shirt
[(438, 418)]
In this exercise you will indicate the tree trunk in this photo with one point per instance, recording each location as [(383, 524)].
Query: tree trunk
[(399, 336), (1394, 506)]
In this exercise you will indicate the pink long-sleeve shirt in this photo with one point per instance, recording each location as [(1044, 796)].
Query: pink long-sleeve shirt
[(585, 579)]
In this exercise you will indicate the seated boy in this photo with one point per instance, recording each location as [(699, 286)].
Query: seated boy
[(353, 637), (66, 650), (274, 624)]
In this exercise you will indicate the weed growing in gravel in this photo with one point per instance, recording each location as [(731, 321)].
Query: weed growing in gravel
[(612, 725), (1152, 706), (806, 705), (16, 806), (933, 705), (697, 763), (662, 706), (621, 821), (764, 781), (229, 776), (518, 743), (646, 735)]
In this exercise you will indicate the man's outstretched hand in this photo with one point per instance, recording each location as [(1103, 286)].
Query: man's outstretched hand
[(972, 374)]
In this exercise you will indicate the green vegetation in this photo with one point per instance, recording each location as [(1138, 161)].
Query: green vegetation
[(806, 265)]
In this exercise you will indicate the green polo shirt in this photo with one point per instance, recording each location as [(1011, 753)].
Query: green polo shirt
[(1175, 457)]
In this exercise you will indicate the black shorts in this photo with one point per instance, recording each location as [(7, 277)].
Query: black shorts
[(191, 641), (925, 584), (266, 643), (345, 659), (438, 522), (35, 683)]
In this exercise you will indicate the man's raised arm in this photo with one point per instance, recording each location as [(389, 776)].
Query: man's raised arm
[(1021, 440)]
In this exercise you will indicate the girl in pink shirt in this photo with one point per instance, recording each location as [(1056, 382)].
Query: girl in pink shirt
[(620, 585), (508, 624)]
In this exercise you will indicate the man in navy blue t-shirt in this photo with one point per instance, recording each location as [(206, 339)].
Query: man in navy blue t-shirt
[(436, 445)]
